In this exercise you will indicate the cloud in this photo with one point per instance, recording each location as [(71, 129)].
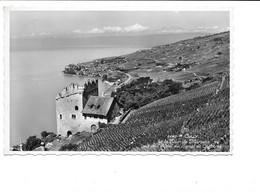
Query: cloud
[(132, 29), (110, 30), (45, 34), (135, 28), (208, 28), (95, 31), (173, 29), (114, 29), (40, 34), (77, 31)]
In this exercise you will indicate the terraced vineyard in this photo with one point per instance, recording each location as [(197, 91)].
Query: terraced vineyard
[(209, 125), (203, 112)]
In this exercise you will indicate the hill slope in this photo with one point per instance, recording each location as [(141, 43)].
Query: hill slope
[(180, 60)]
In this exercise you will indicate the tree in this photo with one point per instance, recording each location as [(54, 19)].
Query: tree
[(16, 148), (44, 134), (175, 87), (32, 142), (105, 77), (143, 91), (102, 125)]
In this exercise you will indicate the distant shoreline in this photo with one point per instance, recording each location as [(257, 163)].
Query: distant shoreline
[(75, 75)]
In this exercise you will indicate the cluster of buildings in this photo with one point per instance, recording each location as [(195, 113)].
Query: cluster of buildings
[(95, 68)]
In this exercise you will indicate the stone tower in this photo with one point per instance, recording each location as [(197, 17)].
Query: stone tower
[(70, 103)]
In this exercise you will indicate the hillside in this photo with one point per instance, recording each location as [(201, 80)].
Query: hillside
[(180, 60)]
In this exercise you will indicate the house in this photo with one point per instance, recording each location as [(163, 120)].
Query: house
[(100, 109)]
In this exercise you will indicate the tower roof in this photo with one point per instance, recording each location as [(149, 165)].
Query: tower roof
[(98, 105)]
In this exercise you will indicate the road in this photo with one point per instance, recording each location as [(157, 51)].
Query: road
[(127, 81), (118, 86)]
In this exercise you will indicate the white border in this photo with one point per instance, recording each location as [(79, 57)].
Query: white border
[(149, 174), (6, 80), (101, 7)]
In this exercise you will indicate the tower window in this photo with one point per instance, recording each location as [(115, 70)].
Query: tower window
[(76, 108), (73, 116), (60, 116)]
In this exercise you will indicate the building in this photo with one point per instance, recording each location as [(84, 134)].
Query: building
[(82, 108), (100, 109)]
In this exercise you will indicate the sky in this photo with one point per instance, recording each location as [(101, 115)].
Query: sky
[(85, 23)]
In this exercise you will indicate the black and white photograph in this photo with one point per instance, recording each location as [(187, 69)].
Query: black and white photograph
[(115, 81), (129, 96)]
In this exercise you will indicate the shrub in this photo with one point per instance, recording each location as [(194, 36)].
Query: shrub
[(44, 134), (193, 86), (143, 91), (69, 147), (32, 143), (217, 39), (102, 125)]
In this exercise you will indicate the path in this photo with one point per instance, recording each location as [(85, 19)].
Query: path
[(127, 116), (127, 81), (114, 87)]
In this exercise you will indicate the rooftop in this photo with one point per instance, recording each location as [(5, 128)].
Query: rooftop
[(98, 105)]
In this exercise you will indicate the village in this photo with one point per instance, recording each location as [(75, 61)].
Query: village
[(96, 68)]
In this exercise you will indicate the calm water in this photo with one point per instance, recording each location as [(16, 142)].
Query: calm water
[(36, 79)]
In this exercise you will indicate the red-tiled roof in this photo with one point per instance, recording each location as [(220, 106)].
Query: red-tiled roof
[(98, 105)]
